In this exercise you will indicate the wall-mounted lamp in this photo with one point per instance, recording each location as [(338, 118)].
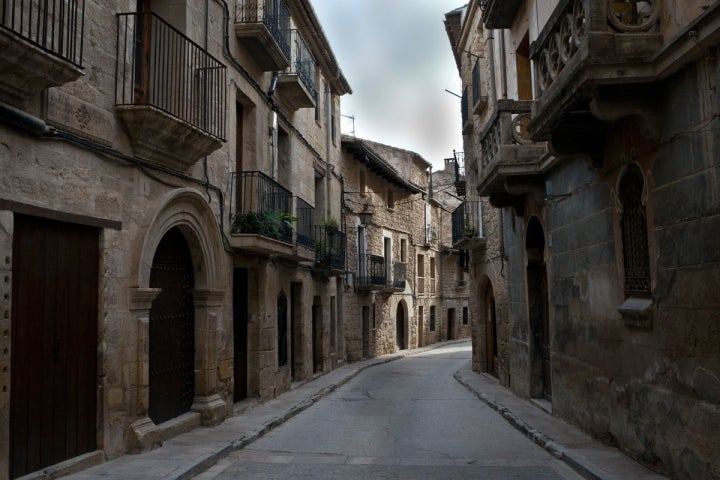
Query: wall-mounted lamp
[(365, 215)]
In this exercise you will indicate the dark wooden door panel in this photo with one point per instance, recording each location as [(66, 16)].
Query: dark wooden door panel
[(172, 330), (240, 322), (54, 335)]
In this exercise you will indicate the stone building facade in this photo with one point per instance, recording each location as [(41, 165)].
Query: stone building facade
[(165, 174), (602, 163), (477, 225)]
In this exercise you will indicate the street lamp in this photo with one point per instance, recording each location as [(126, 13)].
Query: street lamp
[(365, 215)]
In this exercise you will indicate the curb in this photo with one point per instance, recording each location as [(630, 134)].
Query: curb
[(551, 446)]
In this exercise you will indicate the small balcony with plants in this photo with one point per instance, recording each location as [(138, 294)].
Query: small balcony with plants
[(467, 227), (263, 27), (330, 245), (169, 92), (41, 45), (511, 160), (262, 219), (372, 275), (296, 85)]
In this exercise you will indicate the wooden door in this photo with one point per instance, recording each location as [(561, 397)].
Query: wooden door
[(53, 393), (240, 332), (400, 328), (317, 336), (451, 324), (172, 330), (366, 331), (491, 347)]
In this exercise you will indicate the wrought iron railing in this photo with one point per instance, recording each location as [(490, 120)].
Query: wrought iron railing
[(330, 247), (304, 231), (274, 14), (467, 221), (399, 273), (159, 66), (261, 206), (55, 26), (371, 271), (303, 63)]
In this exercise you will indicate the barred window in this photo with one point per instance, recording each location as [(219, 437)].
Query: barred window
[(633, 225)]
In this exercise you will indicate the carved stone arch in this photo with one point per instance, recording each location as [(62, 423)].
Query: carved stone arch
[(188, 211)]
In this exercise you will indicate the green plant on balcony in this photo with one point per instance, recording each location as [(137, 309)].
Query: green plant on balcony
[(271, 223), (470, 232)]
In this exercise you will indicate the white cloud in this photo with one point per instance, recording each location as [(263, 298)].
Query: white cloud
[(397, 59)]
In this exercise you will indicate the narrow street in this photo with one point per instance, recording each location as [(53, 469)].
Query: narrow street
[(404, 419)]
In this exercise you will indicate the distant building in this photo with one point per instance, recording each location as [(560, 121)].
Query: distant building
[(394, 297), (597, 145)]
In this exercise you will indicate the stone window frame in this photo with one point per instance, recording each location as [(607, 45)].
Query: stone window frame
[(636, 309)]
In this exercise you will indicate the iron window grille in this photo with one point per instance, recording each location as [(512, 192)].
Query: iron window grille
[(633, 223)]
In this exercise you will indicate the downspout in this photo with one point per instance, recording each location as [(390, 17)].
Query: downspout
[(328, 144), (491, 58), (503, 67), (273, 126)]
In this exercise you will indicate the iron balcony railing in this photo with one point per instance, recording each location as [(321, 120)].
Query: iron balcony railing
[(261, 206), (303, 63), (399, 273), (371, 271), (304, 231), (55, 26), (330, 247), (467, 221), (158, 66), (274, 14)]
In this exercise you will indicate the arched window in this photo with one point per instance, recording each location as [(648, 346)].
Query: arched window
[(282, 321), (633, 225)]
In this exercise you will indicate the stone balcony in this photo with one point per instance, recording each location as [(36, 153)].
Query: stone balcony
[(500, 13), (39, 54), (511, 161), (587, 51), (296, 85), (263, 27)]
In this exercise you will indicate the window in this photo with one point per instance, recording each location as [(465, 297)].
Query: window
[(476, 82), (421, 273), (465, 315), (522, 63), (432, 318), (432, 274), (633, 227), (403, 250), (390, 199)]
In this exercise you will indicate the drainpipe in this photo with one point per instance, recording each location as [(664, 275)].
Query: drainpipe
[(491, 58), (503, 66), (273, 127), (328, 144)]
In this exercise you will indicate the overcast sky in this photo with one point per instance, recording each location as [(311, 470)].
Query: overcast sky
[(397, 58)]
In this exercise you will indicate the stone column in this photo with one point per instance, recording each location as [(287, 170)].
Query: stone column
[(142, 435), (208, 342)]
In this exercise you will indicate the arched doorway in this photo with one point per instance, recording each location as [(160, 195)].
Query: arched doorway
[(537, 295), (491, 339), (400, 328), (171, 330)]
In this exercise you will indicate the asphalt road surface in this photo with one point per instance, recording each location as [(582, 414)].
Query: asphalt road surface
[(407, 419)]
